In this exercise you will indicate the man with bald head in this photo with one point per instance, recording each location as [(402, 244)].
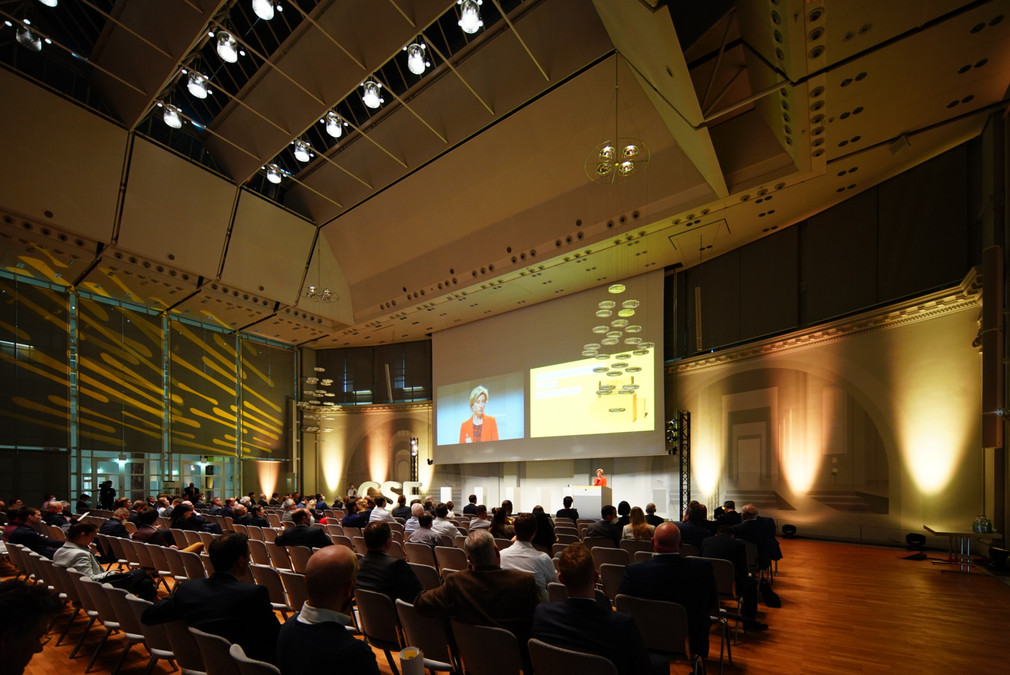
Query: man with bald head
[(316, 638), (667, 576)]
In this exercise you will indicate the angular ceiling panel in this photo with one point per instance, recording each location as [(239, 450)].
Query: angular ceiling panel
[(175, 212), (67, 173), (265, 248)]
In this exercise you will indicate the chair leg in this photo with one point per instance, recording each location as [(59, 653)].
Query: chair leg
[(66, 628), (94, 657), (80, 640), (122, 657), (392, 663)]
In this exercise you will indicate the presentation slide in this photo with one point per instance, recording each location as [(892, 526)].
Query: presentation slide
[(576, 377)]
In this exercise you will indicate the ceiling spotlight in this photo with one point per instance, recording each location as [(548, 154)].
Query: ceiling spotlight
[(27, 39), (171, 115), (415, 58), (334, 125), (227, 47), (469, 15), (371, 96), (264, 9), (274, 173), (50, 3), (197, 84), (303, 152)]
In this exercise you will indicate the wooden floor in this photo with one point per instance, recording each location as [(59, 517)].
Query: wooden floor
[(845, 609)]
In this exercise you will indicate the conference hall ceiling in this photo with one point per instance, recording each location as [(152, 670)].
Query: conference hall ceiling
[(482, 184)]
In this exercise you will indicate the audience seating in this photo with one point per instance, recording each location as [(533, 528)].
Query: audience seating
[(216, 653), (420, 553), (155, 637), (451, 557), (610, 578), (299, 556), (187, 653), (632, 546), (487, 650), (663, 626), (427, 575), (592, 542), (129, 624), (610, 555), (379, 623), (294, 588), (247, 666), (430, 635), (267, 576), (548, 658)]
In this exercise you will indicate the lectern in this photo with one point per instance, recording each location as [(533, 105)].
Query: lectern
[(589, 499)]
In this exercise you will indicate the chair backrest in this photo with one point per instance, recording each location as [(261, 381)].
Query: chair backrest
[(591, 542), (487, 650), (155, 636), (634, 545), (269, 534), (194, 567), (274, 519), (566, 538), (643, 555), (238, 527), (187, 654), (459, 540), (550, 659), (158, 556), (342, 540), (279, 557), (419, 553), (352, 531), (451, 557), (429, 634), (359, 545), (247, 666), (725, 576), (396, 550), (378, 619), (556, 592), (255, 534), (687, 550), (267, 576), (124, 615), (299, 556), (258, 552), (334, 528), (610, 577), (663, 625), (192, 537), (609, 554), (216, 653), (427, 575), (557, 547), (502, 543), (206, 538), (294, 588)]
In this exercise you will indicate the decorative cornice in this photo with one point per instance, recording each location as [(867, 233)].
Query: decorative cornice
[(923, 308)]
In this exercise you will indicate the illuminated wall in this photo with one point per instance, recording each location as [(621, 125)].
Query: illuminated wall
[(367, 443), (863, 429)]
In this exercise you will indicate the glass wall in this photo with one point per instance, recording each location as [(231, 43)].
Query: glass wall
[(128, 395)]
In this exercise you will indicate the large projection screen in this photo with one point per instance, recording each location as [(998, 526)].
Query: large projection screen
[(577, 377)]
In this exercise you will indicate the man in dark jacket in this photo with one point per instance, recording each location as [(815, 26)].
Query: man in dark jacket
[(221, 604), (303, 533), (380, 572)]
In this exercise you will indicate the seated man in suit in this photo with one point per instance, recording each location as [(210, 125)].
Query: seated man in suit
[(729, 515), (221, 604), (686, 581), (753, 530), (582, 624), (695, 527), (149, 533), (401, 510), (25, 532), (568, 511), (485, 594), (303, 533), (471, 508), (315, 638), (606, 526), (380, 572), (650, 515), (725, 546), (380, 512), (114, 527), (481, 521)]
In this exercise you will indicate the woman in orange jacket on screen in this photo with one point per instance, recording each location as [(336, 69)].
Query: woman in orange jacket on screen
[(479, 427)]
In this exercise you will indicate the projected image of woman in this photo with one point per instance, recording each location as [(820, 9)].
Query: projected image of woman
[(479, 427)]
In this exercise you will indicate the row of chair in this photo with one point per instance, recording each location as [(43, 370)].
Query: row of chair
[(452, 646)]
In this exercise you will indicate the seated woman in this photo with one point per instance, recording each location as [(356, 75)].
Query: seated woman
[(638, 528), (544, 538), (500, 528)]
